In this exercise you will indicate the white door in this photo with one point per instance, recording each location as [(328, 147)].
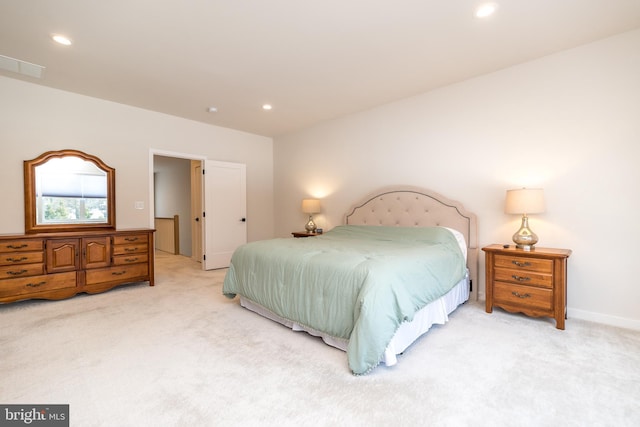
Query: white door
[(225, 212)]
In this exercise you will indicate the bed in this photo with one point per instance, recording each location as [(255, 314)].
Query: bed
[(404, 259)]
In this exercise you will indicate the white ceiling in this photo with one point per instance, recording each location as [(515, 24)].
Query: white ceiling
[(312, 60)]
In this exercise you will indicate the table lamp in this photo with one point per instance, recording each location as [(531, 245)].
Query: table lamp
[(525, 201), (310, 206)]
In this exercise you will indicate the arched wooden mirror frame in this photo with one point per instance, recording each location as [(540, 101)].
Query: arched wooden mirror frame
[(30, 204)]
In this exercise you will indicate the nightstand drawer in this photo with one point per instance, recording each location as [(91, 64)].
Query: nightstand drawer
[(524, 263), (524, 277), (518, 296)]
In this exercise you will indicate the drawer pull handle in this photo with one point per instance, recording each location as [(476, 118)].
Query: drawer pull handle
[(131, 239), (131, 259), (35, 285), (520, 278), (24, 258), (519, 295), (119, 273), (131, 250), (16, 273), (521, 264), (24, 245)]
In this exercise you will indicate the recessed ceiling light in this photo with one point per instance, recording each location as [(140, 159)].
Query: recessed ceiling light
[(61, 39), (267, 107), (212, 109), (486, 10)]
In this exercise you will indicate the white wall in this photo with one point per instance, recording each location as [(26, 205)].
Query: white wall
[(36, 119), (569, 123)]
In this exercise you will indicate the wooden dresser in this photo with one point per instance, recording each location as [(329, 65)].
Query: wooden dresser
[(62, 264), (530, 282)]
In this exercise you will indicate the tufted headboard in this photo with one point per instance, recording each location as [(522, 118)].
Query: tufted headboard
[(418, 207)]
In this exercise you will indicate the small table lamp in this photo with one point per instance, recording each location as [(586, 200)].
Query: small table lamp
[(525, 201), (310, 206)]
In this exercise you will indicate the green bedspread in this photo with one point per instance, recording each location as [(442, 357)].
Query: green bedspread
[(353, 282)]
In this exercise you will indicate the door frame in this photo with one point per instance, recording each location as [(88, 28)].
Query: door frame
[(197, 208)]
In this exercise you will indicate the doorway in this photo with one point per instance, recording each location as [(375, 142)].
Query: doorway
[(196, 186), (172, 189)]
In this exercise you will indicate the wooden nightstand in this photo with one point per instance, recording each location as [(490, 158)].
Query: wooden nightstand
[(304, 234), (530, 282)]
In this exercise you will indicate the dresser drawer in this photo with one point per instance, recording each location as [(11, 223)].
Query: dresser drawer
[(519, 296), (25, 245), (21, 270), (130, 259), (21, 258), (524, 263), (29, 285), (524, 277), (119, 273), (130, 238), (130, 249)]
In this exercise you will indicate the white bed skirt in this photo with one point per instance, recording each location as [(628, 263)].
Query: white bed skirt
[(437, 312)]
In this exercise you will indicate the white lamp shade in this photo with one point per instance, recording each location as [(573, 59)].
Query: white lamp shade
[(524, 201), (311, 206)]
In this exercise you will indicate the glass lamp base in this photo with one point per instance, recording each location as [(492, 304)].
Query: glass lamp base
[(524, 238), (310, 226)]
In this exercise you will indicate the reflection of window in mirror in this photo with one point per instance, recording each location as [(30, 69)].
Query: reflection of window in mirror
[(70, 190)]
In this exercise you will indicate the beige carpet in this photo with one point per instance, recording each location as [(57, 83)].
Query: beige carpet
[(181, 354)]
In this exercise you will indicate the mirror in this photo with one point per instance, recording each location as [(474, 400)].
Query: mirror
[(68, 190)]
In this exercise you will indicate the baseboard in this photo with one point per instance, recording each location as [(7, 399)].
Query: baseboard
[(621, 322), (590, 316)]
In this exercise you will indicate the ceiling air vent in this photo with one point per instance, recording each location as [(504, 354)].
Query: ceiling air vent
[(21, 67)]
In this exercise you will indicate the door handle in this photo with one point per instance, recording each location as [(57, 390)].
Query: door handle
[(243, 219)]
